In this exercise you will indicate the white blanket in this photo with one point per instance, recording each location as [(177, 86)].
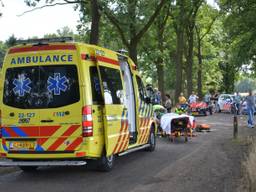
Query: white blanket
[(168, 117)]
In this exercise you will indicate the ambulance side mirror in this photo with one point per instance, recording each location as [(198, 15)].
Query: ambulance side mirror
[(147, 100)]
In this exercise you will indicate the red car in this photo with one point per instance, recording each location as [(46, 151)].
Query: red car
[(200, 108)]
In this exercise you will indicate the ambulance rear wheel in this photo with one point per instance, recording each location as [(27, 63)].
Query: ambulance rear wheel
[(106, 163), (152, 140), (28, 168)]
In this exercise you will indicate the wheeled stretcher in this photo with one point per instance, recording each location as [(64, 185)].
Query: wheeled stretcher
[(174, 125)]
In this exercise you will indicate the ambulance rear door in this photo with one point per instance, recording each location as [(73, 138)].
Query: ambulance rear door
[(42, 102), (114, 113)]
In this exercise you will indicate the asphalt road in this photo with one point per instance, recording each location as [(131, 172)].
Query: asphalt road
[(208, 162)]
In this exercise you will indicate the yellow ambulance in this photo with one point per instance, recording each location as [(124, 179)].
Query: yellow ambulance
[(63, 103)]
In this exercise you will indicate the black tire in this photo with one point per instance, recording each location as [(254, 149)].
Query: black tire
[(106, 164), (205, 112), (151, 140), (28, 169)]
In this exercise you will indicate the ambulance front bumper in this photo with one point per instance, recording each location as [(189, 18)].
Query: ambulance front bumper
[(10, 163)]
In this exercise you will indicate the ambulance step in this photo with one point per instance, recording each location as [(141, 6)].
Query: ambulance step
[(41, 163), (134, 149)]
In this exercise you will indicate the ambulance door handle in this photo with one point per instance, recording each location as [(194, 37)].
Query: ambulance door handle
[(47, 121)]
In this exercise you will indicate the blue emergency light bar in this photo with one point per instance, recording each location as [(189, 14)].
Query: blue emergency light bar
[(45, 40)]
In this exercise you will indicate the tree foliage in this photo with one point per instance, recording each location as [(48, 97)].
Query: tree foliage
[(179, 46), (241, 29)]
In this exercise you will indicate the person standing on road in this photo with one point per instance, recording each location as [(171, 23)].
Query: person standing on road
[(157, 96), (207, 100), (250, 104), (192, 98), (168, 103)]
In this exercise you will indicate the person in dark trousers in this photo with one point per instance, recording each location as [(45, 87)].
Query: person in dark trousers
[(168, 103), (250, 104), (207, 100)]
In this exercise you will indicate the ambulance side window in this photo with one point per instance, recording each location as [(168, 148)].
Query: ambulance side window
[(95, 86), (112, 85), (141, 87)]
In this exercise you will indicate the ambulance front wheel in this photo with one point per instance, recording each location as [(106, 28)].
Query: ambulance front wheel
[(28, 168), (106, 163)]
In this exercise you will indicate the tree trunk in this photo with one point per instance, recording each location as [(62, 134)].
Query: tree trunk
[(179, 55), (190, 60), (160, 76), (180, 46), (133, 52), (199, 71), (94, 35)]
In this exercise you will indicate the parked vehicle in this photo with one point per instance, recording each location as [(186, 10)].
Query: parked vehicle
[(63, 103), (244, 107), (224, 103), (200, 108)]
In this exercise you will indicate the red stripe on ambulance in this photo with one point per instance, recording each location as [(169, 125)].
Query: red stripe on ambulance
[(32, 131), (119, 137), (123, 136), (107, 60), (74, 144), (47, 131), (64, 136), (10, 131), (42, 48)]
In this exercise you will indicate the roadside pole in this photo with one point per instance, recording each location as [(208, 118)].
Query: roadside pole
[(235, 123)]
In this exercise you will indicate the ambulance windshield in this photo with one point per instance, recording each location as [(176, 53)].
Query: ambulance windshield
[(41, 87)]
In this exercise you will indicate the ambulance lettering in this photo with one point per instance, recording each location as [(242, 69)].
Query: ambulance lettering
[(42, 59), (59, 114)]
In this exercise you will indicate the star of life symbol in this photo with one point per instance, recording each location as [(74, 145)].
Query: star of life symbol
[(56, 84), (21, 85)]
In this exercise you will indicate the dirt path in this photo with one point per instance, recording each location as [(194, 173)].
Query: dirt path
[(210, 162), (215, 165)]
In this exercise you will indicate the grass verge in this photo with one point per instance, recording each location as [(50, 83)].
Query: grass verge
[(249, 168)]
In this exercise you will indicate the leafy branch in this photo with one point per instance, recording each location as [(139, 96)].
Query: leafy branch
[(51, 5)]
